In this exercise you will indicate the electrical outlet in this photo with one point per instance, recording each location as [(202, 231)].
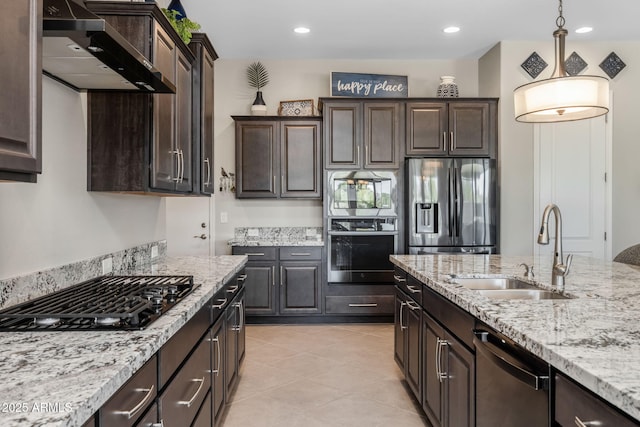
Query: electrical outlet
[(224, 217), (107, 265), (154, 251), (253, 232)]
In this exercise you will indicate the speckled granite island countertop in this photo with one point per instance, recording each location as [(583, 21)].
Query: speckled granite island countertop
[(593, 338), (62, 378)]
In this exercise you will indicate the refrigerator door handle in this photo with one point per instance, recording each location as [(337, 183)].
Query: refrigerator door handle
[(456, 214), (449, 210)]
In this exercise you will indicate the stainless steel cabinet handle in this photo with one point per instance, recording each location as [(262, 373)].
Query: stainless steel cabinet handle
[(160, 424), (217, 370), (399, 279), (130, 413), (255, 254), (402, 304), (300, 254), (413, 289), (240, 306), (451, 141), (438, 374), (281, 276), (581, 423), (233, 289), (221, 304), (177, 153), (357, 154), (282, 187), (413, 306), (242, 278), (273, 275), (274, 183), (181, 165), (208, 164), (189, 402), (369, 304), (443, 374), (444, 140), (440, 343)]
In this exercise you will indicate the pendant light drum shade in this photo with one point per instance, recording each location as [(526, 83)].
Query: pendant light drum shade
[(562, 99)]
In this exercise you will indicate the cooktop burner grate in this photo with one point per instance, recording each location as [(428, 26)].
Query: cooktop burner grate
[(103, 303)]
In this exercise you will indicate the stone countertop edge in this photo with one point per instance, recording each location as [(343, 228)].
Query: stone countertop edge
[(591, 338), (277, 243), (62, 378)]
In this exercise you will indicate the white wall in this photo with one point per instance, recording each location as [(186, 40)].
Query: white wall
[(300, 79), (516, 139), (56, 221)]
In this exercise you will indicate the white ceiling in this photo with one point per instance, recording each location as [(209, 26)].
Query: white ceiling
[(400, 29)]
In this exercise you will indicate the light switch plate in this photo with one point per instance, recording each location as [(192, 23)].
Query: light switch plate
[(154, 251), (107, 265), (224, 217)]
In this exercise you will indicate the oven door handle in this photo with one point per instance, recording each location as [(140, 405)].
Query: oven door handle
[(363, 233), (488, 345)]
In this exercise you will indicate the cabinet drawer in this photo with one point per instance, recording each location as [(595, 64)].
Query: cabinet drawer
[(257, 253), (174, 352), (204, 418), (450, 315), (133, 398), (301, 253), (378, 304), (182, 398), (573, 402), (150, 419)]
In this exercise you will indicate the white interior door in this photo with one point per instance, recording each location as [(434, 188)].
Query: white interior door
[(188, 226), (571, 164)]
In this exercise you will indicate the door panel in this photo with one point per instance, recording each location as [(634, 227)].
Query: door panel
[(570, 172)]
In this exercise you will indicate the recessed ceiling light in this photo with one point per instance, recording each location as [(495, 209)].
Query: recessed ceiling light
[(583, 30), (451, 29), (301, 30)]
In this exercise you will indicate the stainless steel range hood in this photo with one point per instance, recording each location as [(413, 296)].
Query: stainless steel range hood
[(84, 51)]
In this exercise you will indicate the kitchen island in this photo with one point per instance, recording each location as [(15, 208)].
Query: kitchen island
[(591, 337), (62, 378)]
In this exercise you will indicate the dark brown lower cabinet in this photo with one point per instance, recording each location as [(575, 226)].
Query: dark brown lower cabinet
[(218, 367), (577, 406), (203, 419)]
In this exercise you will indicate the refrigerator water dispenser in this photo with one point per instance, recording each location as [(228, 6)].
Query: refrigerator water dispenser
[(426, 218)]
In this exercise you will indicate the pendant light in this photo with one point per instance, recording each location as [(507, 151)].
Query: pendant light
[(561, 97)]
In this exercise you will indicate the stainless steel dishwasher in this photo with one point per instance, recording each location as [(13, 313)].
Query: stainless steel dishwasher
[(512, 385)]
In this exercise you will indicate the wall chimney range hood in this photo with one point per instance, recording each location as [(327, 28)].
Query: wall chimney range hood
[(83, 51)]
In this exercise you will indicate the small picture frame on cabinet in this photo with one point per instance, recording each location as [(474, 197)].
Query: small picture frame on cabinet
[(301, 107)]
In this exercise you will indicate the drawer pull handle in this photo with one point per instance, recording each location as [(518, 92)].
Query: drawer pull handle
[(402, 326), (189, 402), (129, 414), (233, 289), (370, 304), (413, 289), (256, 254), (300, 254), (413, 306), (581, 423), (242, 278), (222, 303), (399, 279)]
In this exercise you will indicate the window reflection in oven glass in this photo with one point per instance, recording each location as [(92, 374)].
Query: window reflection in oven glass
[(361, 253)]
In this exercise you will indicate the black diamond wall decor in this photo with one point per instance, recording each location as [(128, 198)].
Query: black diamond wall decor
[(612, 65), (574, 64), (534, 65)]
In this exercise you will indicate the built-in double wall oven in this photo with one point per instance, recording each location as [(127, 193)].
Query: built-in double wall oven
[(362, 226)]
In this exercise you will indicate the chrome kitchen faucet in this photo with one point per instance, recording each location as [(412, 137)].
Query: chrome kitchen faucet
[(560, 270)]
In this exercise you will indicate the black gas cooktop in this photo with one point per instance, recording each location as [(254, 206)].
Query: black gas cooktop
[(103, 303)]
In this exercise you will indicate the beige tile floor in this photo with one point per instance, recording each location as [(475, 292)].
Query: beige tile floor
[(321, 375)]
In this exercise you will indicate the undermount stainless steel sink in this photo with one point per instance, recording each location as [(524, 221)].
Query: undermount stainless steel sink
[(507, 288), (530, 294), (493, 283)]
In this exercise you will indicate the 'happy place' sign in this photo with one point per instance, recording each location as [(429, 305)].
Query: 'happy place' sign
[(369, 85)]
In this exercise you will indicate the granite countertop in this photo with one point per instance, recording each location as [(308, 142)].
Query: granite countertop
[(62, 378), (275, 242), (277, 236), (593, 338)]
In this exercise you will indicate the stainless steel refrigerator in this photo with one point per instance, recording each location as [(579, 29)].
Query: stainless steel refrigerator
[(452, 205)]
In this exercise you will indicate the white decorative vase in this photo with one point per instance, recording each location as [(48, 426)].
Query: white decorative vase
[(448, 87)]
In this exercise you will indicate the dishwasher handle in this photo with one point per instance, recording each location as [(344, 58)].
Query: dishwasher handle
[(493, 348)]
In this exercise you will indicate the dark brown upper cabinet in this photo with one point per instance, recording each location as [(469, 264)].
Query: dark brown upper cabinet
[(143, 143), (362, 134), (21, 100), (278, 157), (203, 112), (452, 128)]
